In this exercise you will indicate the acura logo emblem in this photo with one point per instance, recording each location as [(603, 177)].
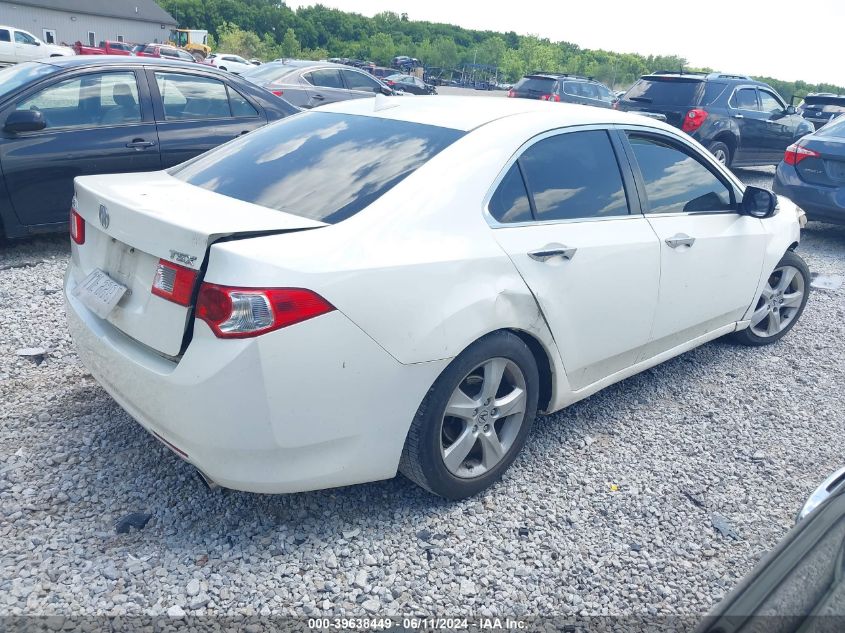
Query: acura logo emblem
[(104, 216)]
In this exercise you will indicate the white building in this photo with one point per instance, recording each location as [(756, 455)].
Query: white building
[(89, 21)]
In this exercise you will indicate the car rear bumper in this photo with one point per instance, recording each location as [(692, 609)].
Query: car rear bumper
[(821, 203), (316, 405)]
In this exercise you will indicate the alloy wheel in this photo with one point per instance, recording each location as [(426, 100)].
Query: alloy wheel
[(779, 302), (721, 156), (482, 418)]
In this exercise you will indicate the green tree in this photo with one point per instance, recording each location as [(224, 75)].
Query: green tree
[(290, 45)]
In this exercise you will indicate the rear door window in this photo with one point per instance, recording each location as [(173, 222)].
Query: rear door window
[(745, 99), (574, 176), (191, 97), (5, 36), (318, 165), (324, 78)]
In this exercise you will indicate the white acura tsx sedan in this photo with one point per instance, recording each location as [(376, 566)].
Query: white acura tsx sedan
[(388, 285)]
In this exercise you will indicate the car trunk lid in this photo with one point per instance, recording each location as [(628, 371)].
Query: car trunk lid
[(134, 220), (828, 168)]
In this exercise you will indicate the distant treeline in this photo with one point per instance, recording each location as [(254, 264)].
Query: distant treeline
[(268, 29)]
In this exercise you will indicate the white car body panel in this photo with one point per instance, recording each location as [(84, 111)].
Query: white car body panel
[(709, 284), (329, 401)]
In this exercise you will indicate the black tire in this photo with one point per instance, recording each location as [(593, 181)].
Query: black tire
[(422, 460), (718, 149), (752, 339)]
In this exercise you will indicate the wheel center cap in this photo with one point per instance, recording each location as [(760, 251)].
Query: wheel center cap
[(483, 415)]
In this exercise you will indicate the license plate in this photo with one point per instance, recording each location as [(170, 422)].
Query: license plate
[(99, 293)]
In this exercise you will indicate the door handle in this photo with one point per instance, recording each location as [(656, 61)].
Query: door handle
[(318, 97), (738, 116), (681, 239), (140, 143), (552, 250)]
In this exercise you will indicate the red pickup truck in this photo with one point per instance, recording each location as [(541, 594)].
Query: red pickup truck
[(105, 48)]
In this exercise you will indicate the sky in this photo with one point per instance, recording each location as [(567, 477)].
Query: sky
[(777, 38)]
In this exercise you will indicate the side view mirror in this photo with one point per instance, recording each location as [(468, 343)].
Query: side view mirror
[(25, 121), (758, 203), (790, 109)]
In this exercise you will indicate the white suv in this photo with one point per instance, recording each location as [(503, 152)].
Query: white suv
[(17, 45)]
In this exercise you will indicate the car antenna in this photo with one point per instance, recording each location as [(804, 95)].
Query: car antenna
[(382, 102)]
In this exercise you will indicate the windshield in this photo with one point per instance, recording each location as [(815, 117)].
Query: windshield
[(14, 77), (671, 91), (318, 165)]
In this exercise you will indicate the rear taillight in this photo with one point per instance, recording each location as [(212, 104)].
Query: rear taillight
[(693, 120), (245, 312), (278, 93), (795, 154), (550, 98), (511, 93), (173, 282), (77, 225)]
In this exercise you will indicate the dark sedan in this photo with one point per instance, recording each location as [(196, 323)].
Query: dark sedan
[(308, 84), (812, 173), (408, 83), (73, 116)]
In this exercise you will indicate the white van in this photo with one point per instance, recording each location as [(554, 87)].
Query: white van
[(17, 45)]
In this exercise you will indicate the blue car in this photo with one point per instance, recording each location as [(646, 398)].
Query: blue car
[(99, 114), (812, 173)]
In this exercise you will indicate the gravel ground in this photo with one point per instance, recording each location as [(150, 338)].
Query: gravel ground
[(608, 511)]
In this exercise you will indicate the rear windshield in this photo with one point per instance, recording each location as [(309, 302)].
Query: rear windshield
[(827, 105), (835, 128), (318, 165), (539, 84), (269, 72), (15, 77), (671, 91)]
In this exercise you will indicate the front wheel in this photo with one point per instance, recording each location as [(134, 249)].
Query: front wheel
[(781, 303), (475, 419)]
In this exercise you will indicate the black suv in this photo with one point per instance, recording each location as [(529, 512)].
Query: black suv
[(565, 88), (820, 108), (741, 121)]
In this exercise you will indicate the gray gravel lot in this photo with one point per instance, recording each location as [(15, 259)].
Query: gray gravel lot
[(608, 510)]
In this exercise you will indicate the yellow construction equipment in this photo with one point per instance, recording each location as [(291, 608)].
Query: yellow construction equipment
[(192, 40)]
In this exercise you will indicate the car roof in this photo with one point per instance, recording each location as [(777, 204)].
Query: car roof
[(305, 63), (468, 113), (77, 61), (700, 76)]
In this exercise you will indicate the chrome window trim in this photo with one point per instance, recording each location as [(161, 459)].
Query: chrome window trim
[(495, 224), (687, 141)]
